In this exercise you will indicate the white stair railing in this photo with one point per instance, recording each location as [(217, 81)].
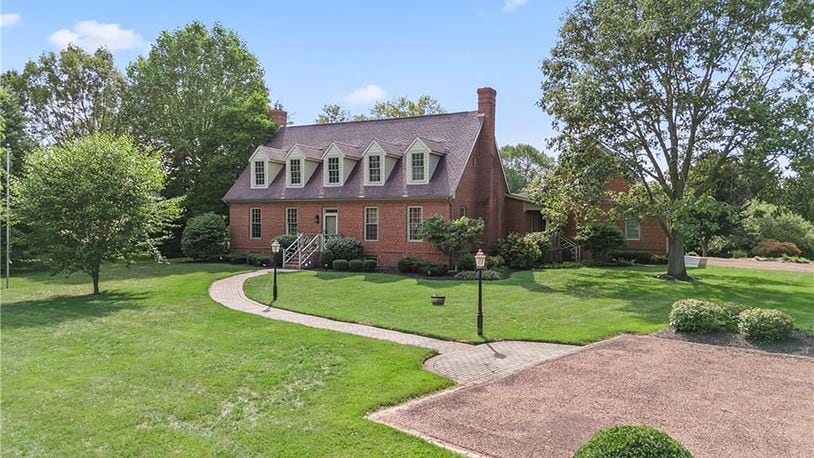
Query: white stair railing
[(310, 247), (292, 250), (562, 242)]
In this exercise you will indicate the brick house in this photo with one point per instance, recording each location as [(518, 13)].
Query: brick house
[(377, 181)]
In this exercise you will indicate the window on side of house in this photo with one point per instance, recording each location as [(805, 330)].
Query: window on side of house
[(463, 211), (374, 169), (417, 167), (291, 221), (256, 224), (415, 216), (259, 173), (371, 224), (295, 172), (333, 170), (633, 229)]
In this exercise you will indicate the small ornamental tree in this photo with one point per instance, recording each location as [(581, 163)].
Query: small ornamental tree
[(451, 237), (204, 236), (94, 200), (600, 239)]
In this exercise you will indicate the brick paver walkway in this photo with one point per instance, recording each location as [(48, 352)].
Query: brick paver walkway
[(463, 363)]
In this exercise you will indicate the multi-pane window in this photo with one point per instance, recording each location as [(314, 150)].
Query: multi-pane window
[(374, 169), (372, 223), (333, 170), (633, 229), (290, 220), (463, 211), (417, 166), (259, 173), (415, 216), (256, 223), (295, 172)]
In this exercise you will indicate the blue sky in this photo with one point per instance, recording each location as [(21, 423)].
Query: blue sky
[(348, 52)]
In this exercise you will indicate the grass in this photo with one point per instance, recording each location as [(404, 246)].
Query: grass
[(154, 367), (558, 305)]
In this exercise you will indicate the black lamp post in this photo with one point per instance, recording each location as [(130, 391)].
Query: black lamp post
[(480, 264), (275, 248)]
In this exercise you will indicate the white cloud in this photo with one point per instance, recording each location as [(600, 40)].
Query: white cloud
[(366, 95), (7, 19), (90, 35), (511, 5)]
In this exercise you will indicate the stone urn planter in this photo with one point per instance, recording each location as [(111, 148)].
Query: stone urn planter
[(437, 299)]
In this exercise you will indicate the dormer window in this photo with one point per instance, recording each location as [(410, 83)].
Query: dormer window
[(334, 175), (374, 169), (295, 172), (259, 173), (418, 167)]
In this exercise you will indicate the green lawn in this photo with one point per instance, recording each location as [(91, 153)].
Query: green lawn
[(153, 367), (558, 305)]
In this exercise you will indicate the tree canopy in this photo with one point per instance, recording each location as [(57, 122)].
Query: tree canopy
[(94, 199), (650, 89), (400, 107), (451, 237), (13, 133), (333, 113), (522, 163)]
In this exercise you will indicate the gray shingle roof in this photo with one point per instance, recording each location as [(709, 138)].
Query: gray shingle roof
[(453, 133)]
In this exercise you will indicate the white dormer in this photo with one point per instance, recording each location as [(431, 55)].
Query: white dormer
[(264, 164), (379, 160), (420, 160), (300, 163), (337, 163)]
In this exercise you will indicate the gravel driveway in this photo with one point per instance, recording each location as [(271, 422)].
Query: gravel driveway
[(717, 401)]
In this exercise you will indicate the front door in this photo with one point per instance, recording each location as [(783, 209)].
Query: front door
[(330, 221)]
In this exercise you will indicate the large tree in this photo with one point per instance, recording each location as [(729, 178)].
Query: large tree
[(522, 163), (13, 133), (402, 107), (332, 113), (93, 200), (199, 96), (650, 88), (69, 94)]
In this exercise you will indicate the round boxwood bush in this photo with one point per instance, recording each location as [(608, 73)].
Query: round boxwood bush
[(344, 247), (519, 252), (632, 441), (473, 275), (691, 315), (204, 236), (340, 264), (411, 264), (326, 258), (370, 265), (765, 324), (356, 265)]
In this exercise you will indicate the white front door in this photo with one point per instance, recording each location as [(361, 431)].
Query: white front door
[(330, 221)]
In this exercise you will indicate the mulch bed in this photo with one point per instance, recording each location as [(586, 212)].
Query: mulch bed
[(798, 343)]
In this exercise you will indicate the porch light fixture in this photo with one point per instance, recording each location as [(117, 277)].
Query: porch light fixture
[(480, 264), (275, 248), (316, 218)]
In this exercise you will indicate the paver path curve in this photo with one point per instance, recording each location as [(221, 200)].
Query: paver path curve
[(463, 363)]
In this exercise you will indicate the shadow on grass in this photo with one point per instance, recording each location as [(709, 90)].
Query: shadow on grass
[(135, 271), (60, 309)]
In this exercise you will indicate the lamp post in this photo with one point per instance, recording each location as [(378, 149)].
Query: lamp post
[(275, 248), (480, 264)]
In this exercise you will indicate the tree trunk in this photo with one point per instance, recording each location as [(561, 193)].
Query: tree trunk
[(675, 257), (95, 276), (704, 246)]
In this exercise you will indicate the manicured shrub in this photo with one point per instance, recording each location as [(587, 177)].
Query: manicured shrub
[(410, 264), (541, 239), (432, 269), (256, 259), (326, 258), (237, 258), (467, 262), (473, 275), (731, 311), (765, 324), (600, 239), (691, 315), (356, 265), (495, 262), (637, 256), (519, 252), (773, 249), (344, 247), (370, 265), (340, 265), (632, 441), (204, 236)]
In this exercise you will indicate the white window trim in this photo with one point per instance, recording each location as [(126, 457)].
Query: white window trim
[(288, 172), (638, 223), (381, 170), (251, 222), (334, 211), (408, 222), (297, 210), (326, 174), (409, 165), (365, 223), (264, 184)]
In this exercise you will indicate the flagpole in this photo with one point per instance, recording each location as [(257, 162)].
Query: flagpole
[(8, 216)]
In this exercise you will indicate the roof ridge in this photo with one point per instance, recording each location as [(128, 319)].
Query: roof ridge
[(380, 120)]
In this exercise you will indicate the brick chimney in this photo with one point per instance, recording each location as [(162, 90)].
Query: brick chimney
[(278, 116), (486, 106)]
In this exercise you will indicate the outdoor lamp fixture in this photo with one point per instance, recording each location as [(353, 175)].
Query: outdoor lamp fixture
[(480, 264), (275, 248), (316, 218)]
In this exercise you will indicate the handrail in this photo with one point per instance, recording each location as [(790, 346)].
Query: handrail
[(309, 246), (292, 249)]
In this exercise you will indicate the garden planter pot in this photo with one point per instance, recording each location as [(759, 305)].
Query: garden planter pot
[(438, 300)]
